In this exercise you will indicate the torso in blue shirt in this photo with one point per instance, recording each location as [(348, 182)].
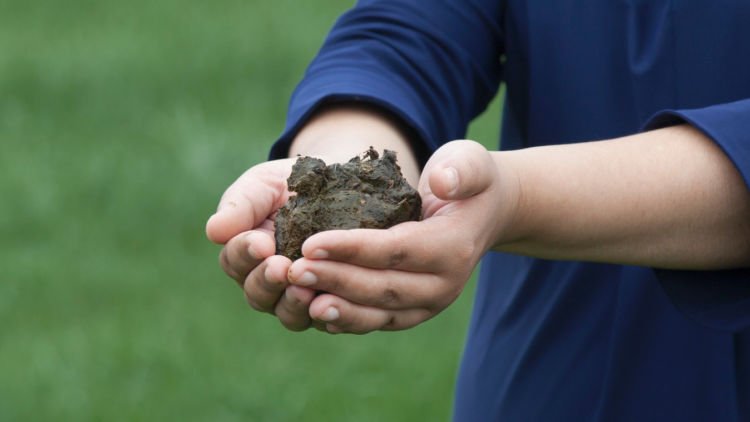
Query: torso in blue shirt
[(560, 341), (570, 341)]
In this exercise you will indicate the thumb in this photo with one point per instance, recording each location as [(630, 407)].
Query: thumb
[(249, 201), (460, 170)]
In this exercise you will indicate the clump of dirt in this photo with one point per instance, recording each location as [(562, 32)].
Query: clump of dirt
[(366, 192)]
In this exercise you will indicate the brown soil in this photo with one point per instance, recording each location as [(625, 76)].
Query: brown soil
[(367, 192)]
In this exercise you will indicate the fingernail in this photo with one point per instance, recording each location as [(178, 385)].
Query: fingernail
[(451, 177), (291, 297), (331, 314), (307, 279), (319, 254), (250, 250)]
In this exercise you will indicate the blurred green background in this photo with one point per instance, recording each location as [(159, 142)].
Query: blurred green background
[(121, 123)]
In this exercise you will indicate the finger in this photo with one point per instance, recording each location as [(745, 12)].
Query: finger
[(341, 316), (292, 308), (459, 170), (249, 200), (425, 246), (388, 289), (265, 284), (244, 252)]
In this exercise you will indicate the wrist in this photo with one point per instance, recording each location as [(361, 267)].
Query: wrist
[(508, 224), (339, 132)]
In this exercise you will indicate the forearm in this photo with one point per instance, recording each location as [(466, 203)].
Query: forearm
[(338, 133), (667, 198)]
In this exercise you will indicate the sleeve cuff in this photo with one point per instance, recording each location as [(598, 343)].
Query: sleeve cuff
[(728, 125), (717, 299)]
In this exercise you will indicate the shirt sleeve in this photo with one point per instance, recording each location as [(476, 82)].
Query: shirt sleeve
[(433, 66), (719, 299)]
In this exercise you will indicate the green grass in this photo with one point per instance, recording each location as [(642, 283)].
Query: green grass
[(120, 125)]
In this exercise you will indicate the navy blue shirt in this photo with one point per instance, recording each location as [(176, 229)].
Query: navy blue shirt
[(569, 341)]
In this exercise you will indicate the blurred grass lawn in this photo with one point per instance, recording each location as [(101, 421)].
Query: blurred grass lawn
[(121, 122)]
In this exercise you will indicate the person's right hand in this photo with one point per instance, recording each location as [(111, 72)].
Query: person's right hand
[(243, 223)]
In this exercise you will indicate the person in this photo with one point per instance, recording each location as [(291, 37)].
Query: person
[(614, 224)]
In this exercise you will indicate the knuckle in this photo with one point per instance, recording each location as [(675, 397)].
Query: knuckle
[(396, 257), (391, 323), (396, 247), (389, 296), (405, 320)]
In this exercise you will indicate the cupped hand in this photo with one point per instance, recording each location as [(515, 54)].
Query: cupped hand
[(243, 223), (397, 278)]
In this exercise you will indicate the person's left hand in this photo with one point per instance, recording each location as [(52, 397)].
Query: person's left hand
[(397, 278)]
